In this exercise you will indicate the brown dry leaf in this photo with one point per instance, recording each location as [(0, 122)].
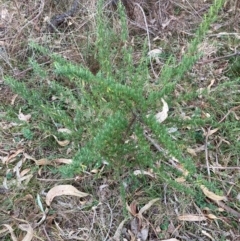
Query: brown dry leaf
[(211, 84), (3, 230), (17, 169), (118, 233), (172, 229), (44, 162), (27, 178), (40, 172), (139, 172), (194, 151), (212, 195), (4, 14), (238, 197), (200, 91), (14, 238), (61, 143), (63, 190), (191, 218), (210, 132), (132, 208), (167, 21), (94, 171), (10, 158), (154, 54), (24, 172), (23, 199), (143, 235), (199, 149), (13, 99), (235, 115), (64, 130), (212, 216), (171, 239), (180, 179), (29, 157), (135, 226), (138, 230), (63, 160), (29, 230), (132, 236), (162, 116), (147, 206), (6, 126), (23, 117), (182, 169), (207, 234), (191, 151)]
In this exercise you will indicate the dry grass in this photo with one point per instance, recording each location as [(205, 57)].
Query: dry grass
[(168, 25)]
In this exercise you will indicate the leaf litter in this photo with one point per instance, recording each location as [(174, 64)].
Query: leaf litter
[(63, 190), (170, 25)]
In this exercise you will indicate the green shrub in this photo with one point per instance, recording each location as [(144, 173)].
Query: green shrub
[(107, 112)]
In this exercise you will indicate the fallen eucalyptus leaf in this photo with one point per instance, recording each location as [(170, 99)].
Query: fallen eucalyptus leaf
[(162, 116), (63, 190), (14, 238), (23, 117), (212, 195), (191, 218), (29, 230)]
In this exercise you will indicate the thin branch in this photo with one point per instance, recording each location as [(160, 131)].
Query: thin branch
[(230, 111), (224, 168), (206, 154), (145, 21), (148, 36), (228, 209), (111, 222), (218, 58)]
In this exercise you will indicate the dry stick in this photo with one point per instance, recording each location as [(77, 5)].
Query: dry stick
[(145, 21), (42, 219), (160, 12), (153, 142), (225, 168), (218, 58), (29, 69), (223, 34), (172, 159), (194, 235), (93, 220), (117, 235), (228, 209), (44, 229), (206, 154), (7, 38), (56, 180), (231, 110), (142, 27), (111, 222), (148, 36)]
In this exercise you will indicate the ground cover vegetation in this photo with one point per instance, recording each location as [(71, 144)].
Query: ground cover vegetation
[(120, 120)]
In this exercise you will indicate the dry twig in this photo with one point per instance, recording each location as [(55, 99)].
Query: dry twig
[(218, 58)]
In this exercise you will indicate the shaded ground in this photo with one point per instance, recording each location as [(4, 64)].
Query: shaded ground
[(103, 215)]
